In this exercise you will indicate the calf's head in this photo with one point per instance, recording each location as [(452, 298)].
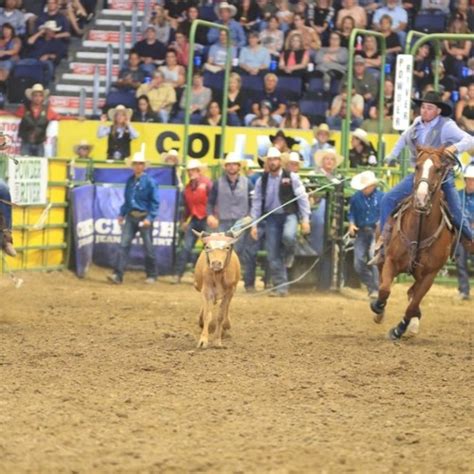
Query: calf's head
[(218, 248)]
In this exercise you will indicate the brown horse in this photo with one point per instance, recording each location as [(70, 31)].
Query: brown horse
[(421, 240)]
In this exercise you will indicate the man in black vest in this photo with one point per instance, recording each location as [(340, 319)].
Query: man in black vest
[(275, 188), (228, 206)]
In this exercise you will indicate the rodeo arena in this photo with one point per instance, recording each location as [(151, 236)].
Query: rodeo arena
[(220, 225)]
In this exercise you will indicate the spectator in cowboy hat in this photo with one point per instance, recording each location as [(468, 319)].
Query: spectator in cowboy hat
[(137, 214), (321, 141), (362, 152), (46, 47), (462, 254), (6, 238), (294, 162), (276, 187), (52, 13), (171, 158), (83, 150), (364, 215), (196, 194), (119, 134), (35, 118), (229, 204), (226, 11), (283, 142)]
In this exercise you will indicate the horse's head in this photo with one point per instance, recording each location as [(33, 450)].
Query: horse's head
[(432, 165), (218, 248)]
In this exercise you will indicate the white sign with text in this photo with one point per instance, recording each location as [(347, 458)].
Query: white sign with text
[(28, 181), (403, 85)]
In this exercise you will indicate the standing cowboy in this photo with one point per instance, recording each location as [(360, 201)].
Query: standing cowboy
[(276, 187), (137, 214), (229, 203), (364, 214), (196, 194), (462, 255), (6, 239), (432, 128)]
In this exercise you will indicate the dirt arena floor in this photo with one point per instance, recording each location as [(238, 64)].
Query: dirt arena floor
[(97, 378)]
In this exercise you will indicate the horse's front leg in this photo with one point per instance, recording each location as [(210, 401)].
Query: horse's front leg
[(387, 274), (410, 324)]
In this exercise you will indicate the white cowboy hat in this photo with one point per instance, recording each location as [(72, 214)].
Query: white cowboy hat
[(295, 157), (171, 154), (273, 152), (226, 5), (139, 156), (232, 158), (193, 164), (82, 144), (363, 180), (319, 155), (50, 25), (36, 88), (324, 127), (469, 171), (119, 108), (362, 135)]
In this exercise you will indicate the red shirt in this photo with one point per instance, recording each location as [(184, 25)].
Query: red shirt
[(196, 193), (36, 110)]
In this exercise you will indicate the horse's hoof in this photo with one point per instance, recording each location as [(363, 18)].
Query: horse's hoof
[(377, 307), (413, 328), (378, 318), (394, 335)]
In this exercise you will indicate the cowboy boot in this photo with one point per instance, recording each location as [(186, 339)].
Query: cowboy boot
[(382, 242), (7, 243)]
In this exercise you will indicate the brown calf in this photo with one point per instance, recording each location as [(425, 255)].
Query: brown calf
[(216, 276)]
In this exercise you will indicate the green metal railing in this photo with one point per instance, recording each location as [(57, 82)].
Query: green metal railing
[(189, 78), (345, 131)]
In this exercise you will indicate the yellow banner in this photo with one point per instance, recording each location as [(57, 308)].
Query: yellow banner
[(203, 140)]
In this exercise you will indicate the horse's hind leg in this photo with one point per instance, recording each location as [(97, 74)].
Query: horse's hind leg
[(409, 325), (386, 278)]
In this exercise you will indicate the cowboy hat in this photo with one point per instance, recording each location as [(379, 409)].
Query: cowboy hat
[(232, 158), (295, 157), (50, 25), (273, 152), (226, 5), (138, 157), (363, 180), (194, 164), (171, 155), (324, 127), (435, 98), (251, 165), (82, 144), (319, 156), (36, 88), (469, 171), (119, 108), (362, 135), (290, 142)]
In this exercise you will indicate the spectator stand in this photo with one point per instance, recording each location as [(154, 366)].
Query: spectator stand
[(189, 78), (350, 76)]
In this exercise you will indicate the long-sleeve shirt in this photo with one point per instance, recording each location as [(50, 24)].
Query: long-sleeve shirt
[(272, 197), (160, 98), (237, 34), (451, 134), (364, 211), (141, 195), (255, 57)]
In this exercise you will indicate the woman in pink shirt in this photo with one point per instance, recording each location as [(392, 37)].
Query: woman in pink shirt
[(295, 59)]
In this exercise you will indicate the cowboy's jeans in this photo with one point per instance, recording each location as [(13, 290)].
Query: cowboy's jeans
[(129, 230), (405, 187), (368, 274), (274, 245), (199, 225), (5, 209), (462, 259), (290, 229)]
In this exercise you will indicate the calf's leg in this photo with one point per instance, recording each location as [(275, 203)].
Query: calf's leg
[(207, 318)]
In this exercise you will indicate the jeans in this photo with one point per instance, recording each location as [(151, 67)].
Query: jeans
[(405, 187), (462, 259), (251, 248), (274, 230), (30, 149), (129, 230), (335, 122), (290, 230), (5, 209), (249, 117), (316, 237), (164, 115), (368, 275), (241, 249), (190, 239)]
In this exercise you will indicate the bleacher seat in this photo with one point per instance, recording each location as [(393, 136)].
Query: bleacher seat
[(428, 22), (315, 109), (316, 84), (252, 83), (125, 98), (291, 87), (214, 81), (207, 13), (23, 75)]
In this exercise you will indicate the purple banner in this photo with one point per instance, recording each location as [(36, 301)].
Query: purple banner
[(164, 175), (83, 224), (107, 231)]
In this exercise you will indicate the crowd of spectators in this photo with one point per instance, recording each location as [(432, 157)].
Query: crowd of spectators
[(306, 40)]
